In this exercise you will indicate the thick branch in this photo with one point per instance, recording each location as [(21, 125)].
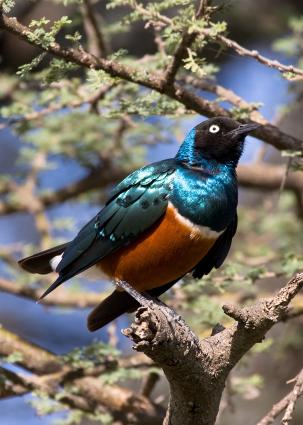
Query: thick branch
[(34, 358), (197, 371), (90, 395), (227, 95), (266, 176)]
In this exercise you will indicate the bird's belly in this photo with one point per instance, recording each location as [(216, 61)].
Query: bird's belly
[(167, 251)]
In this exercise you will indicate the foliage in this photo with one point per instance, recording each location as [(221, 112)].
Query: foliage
[(14, 357), (7, 5), (65, 115), (292, 44), (91, 356)]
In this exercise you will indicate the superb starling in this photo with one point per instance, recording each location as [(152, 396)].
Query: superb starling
[(165, 220)]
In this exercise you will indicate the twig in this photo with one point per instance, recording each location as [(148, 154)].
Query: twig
[(226, 95), (254, 54), (287, 404), (180, 53), (293, 314), (240, 50), (202, 8), (187, 40), (284, 178), (159, 41), (98, 45), (149, 384), (295, 394), (35, 115)]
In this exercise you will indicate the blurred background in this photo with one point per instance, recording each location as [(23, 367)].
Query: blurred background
[(46, 156)]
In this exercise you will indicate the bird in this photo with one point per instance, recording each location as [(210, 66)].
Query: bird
[(163, 221)]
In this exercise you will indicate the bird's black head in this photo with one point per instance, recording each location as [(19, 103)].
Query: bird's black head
[(220, 139)]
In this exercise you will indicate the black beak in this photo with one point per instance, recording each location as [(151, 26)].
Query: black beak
[(243, 130)]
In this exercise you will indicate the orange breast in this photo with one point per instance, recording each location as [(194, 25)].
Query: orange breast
[(167, 251)]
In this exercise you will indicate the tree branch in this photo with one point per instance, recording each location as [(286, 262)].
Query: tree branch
[(257, 176), (225, 94), (97, 179), (34, 358), (287, 404), (187, 40), (180, 53), (50, 373), (254, 54), (197, 371), (266, 176), (56, 107), (11, 384), (155, 81), (240, 50), (94, 33), (295, 394), (62, 298)]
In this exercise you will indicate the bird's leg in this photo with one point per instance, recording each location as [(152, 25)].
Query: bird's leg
[(143, 299)]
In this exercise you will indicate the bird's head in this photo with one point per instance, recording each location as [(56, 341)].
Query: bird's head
[(220, 139)]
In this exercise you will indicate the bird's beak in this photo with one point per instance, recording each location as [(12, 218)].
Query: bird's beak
[(243, 130)]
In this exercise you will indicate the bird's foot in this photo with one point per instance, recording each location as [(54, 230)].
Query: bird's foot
[(147, 301), (143, 299)]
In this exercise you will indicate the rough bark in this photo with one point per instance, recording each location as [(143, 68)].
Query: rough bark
[(197, 370)]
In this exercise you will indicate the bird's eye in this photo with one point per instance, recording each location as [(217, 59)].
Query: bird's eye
[(214, 129)]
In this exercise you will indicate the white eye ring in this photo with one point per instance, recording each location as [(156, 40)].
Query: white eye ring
[(214, 129)]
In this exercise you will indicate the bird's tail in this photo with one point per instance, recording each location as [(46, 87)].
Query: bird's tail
[(43, 262), (110, 308)]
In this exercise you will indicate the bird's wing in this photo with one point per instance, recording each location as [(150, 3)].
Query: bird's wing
[(135, 205), (217, 254)]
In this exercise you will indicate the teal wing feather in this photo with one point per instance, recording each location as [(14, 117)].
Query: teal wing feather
[(135, 205)]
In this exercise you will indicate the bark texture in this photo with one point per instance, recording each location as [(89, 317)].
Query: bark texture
[(197, 370)]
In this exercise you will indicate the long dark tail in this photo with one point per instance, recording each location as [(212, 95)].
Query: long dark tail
[(110, 308), (40, 263), (117, 303)]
